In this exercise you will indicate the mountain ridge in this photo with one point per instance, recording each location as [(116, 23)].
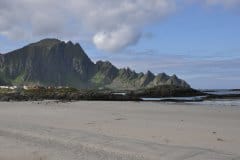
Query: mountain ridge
[(52, 62)]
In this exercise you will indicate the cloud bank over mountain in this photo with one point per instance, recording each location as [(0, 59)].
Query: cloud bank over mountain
[(113, 25), (110, 25)]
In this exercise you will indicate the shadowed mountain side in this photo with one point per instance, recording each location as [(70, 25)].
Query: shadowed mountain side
[(56, 63)]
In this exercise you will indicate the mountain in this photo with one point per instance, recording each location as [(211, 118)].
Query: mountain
[(51, 62)]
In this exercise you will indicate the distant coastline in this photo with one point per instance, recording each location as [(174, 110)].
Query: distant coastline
[(166, 93)]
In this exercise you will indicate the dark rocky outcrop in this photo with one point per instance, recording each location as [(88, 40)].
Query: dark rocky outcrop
[(64, 95), (167, 91)]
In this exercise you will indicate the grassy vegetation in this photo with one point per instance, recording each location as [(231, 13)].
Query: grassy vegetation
[(98, 79), (19, 79), (3, 90), (63, 94)]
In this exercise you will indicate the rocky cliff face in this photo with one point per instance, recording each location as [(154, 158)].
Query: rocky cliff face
[(56, 63)]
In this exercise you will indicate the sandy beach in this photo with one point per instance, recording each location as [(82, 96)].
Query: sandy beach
[(118, 130)]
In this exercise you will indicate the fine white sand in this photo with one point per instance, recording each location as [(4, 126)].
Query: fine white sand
[(118, 130)]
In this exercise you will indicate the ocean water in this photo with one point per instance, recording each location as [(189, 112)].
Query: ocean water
[(193, 101), (200, 99), (219, 102), (194, 98), (221, 91)]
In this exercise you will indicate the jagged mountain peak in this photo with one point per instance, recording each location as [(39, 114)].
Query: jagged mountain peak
[(162, 74), (149, 73), (127, 73), (54, 62), (51, 42), (174, 76), (105, 63), (48, 42)]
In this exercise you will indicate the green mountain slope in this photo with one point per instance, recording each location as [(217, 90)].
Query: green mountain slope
[(51, 62)]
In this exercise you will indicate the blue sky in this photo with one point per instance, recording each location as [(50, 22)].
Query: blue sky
[(197, 41)]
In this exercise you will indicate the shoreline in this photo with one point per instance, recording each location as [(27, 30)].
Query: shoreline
[(157, 94)]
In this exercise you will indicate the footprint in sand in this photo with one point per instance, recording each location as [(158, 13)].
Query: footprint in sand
[(119, 119)]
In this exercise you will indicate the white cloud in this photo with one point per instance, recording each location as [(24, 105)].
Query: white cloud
[(225, 3), (114, 25), (116, 40), (212, 3)]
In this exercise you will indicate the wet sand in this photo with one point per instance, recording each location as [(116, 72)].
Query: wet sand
[(118, 130)]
